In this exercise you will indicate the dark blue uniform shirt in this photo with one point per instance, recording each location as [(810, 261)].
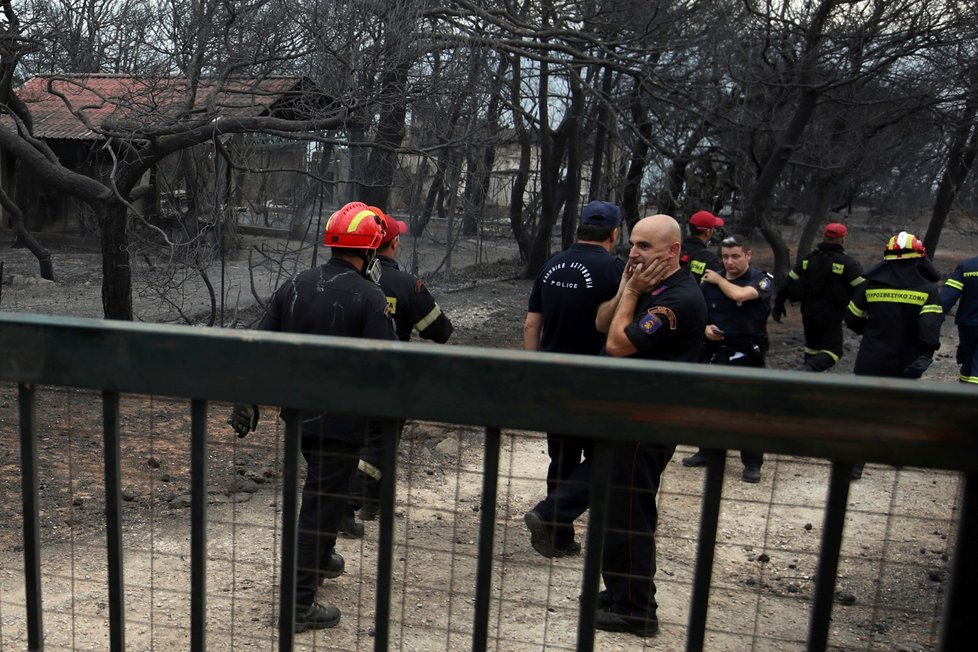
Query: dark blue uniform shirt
[(567, 293), (741, 322), (669, 321)]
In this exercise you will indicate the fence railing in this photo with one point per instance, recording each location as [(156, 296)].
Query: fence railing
[(833, 417)]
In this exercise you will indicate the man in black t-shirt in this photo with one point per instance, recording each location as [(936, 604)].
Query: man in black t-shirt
[(560, 318), (658, 313)]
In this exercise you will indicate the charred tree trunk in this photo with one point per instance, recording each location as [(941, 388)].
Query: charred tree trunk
[(668, 200), (756, 205), (824, 190), (24, 236), (551, 156), (960, 160), (484, 158), (517, 220), (378, 177), (571, 135), (959, 166), (598, 188), (431, 199), (782, 257), (116, 270), (474, 196), (631, 194)]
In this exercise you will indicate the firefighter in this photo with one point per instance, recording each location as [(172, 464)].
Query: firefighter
[(963, 285), (696, 253), (823, 281), (413, 309), (658, 313), (739, 302), (898, 313), (342, 298)]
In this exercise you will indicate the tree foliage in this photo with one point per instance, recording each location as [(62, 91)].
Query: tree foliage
[(760, 110)]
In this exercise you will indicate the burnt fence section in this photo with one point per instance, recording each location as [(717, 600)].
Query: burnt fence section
[(838, 418)]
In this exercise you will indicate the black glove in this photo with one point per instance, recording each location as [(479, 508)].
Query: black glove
[(917, 368), (243, 418), (779, 311)]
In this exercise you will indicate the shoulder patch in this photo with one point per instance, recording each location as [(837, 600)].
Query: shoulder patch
[(418, 286), (649, 324), (655, 318), (764, 283), (669, 315)]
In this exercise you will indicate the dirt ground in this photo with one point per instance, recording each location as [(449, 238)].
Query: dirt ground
[(892, 577)]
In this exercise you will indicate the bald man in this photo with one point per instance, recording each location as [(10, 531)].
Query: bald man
[(658, 314)]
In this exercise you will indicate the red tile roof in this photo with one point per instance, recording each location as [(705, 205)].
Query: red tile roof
[(57, 102)]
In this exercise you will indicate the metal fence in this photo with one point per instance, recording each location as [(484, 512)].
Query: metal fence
[(829, 420)]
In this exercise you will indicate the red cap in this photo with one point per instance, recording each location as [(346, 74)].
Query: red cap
[(705, 220), (836, 230), (392, 227)]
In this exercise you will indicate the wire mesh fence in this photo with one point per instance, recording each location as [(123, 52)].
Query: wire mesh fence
[(898, 540)]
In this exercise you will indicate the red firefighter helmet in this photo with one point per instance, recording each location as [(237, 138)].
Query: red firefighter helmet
[(903, 246), (354, 226)]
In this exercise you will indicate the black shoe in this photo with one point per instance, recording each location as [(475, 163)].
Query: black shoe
[(349, 526), (542, 535), (604, 601), (857, 471), (752, 473), (370, 511), (696, 459), (571, 549), (316, 616), (334, 568), (612, 622)]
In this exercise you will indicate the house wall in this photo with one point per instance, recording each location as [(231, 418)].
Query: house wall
[(51, 212)]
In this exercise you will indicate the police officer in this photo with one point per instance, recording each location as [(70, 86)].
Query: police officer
[(963, 285), (739, 302), (697, 254), (658, 313), (898, 313), (560, 318), (338, 298), (823, 281), (413, 309)]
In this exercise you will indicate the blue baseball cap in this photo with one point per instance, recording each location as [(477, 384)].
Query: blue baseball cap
[(601, 213)]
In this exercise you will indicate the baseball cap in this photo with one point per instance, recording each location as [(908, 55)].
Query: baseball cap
[(601, 213), (392, 227), (705, 220), (836, 230)]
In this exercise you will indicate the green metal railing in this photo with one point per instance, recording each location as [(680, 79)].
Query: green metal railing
[(839, 418)]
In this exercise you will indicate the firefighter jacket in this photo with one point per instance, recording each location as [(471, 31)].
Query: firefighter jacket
[(332, 299), (699, 258), (898, 313), (411, 304), (823, 281), (963, 285)]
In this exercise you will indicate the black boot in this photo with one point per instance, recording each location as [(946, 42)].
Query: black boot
[(316, 616), (349, 526)]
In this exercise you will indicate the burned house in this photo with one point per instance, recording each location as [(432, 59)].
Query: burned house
[(77, 116)]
